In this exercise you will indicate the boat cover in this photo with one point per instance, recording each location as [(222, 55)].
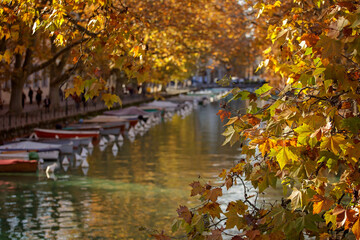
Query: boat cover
[(106, 119), (29, 145), (127, 112), (160, 104)]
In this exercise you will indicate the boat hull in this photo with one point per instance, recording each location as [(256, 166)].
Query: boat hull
[(18, 165), (61, 134)]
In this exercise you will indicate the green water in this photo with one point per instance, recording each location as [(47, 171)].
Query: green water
[(141, 186)]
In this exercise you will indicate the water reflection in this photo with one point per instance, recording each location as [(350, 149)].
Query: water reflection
[(142, 185)]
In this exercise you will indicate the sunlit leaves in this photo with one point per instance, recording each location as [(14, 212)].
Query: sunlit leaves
[(298, 198), (285, 156), (263, 89), (109, 99), (321, 203), (333, 143)]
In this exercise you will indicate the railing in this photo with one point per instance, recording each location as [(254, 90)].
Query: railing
[(10, 121)]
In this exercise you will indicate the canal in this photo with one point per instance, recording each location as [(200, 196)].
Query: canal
[(141, 186)]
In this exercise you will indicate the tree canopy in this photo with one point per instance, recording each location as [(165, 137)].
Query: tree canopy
[(153, 41), (302, 135)]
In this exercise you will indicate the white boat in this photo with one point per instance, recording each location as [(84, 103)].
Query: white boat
[(44, 150)]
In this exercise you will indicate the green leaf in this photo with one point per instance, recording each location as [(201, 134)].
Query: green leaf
[(243, 95), (263, 89), (308, 51)]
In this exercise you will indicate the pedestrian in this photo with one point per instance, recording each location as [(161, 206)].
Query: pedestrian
[(30, 94), (47, 103), (23, 97), (38, 96), (61, 95)]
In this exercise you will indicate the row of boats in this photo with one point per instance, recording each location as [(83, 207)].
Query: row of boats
[(74, 141)]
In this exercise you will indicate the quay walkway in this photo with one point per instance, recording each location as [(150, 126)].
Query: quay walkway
[(14, 125)]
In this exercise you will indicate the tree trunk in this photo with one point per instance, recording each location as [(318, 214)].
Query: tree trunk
[(17, 85), (54, 95), (120, 80)]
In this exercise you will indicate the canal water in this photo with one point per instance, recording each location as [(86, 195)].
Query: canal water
[(141, 186)]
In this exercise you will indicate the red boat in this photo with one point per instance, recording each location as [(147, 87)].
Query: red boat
[(18, 165), (60, 134)]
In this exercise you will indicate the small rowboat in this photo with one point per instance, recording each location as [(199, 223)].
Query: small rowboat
[(60, 134), (113, 121), (45, 150), (18, 165)]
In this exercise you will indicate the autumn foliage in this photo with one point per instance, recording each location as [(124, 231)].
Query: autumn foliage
[(301, 136), (81, 42)]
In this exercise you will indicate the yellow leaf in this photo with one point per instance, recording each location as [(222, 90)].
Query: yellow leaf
[(333, 143), (7, 56), (285, 156), (110, 99)]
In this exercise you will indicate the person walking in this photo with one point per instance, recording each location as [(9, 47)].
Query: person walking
[(30, 94), (23, 97), (38, 96), (47, 103)]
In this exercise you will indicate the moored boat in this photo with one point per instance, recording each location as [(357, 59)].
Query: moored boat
[(44, 150), (109, 121), (61, 134), (18, 165)]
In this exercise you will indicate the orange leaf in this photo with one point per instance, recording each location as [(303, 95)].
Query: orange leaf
[(197, 188), (224, 114), (356, 229), (321, 203), (213, 194)]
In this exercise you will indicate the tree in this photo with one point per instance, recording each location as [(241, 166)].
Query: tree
[(148, 40), (305, 138)]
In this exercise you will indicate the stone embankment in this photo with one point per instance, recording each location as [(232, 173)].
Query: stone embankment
[(32, 116)]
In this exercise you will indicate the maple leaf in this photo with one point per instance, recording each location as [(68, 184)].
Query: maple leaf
[(215, 235), (213, 194), (197, 188), (110, 99), (238, 207), (263, 89), (356, 228), (310, 39), (298, 199), (185, 214), (333, 143), (321, 203), (223, 114), (212, 208), (223, 174), (233, 219), (330, 47), (253, 234), (285, 156)]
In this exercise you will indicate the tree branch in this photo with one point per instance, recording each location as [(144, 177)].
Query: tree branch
[(81, 28), (53, 59)]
